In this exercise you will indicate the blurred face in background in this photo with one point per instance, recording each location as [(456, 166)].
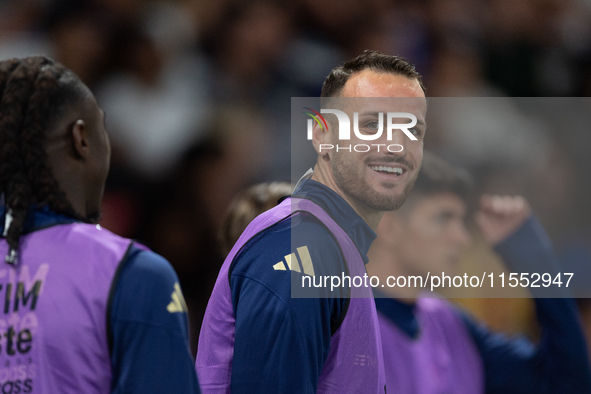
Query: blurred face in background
[(428, 235)]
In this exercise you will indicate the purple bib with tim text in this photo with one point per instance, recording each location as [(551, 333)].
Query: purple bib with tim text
[(53, 308)]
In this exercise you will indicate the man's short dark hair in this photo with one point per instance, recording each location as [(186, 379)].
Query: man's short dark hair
[(438, 176), (368, 60)]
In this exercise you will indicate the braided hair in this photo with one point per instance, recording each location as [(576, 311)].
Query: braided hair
[(35, 93)]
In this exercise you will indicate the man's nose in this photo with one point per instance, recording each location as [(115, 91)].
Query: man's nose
[(396, 144), (459, 234)]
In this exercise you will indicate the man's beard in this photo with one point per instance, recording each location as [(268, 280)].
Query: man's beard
[(357, 187)]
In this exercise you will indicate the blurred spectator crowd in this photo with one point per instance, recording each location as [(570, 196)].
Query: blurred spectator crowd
[(197, 96)]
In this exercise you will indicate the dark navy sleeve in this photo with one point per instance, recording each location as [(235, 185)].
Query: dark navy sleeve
[(148, 322), (559, 362), (282, 343)]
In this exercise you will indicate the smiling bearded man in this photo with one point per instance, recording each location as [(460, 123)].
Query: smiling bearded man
[(256, 337)]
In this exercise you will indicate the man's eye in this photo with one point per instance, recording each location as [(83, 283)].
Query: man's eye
[(415, 131), (442, 220), (372, 125)]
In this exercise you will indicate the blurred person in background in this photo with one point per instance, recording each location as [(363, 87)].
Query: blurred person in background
[(430, 345), (246, 206), (93, 312), (156, 100), (246, 47), (80, 39), (185, 212)]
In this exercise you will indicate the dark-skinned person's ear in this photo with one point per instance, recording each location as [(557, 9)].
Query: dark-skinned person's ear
[(80, 142)]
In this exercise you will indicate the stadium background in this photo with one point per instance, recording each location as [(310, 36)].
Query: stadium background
[(197, 95)]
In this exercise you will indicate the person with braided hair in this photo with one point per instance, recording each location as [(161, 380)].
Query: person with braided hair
[(82, 310)]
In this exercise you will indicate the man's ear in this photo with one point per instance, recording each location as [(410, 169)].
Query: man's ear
[(80, 142), (321, 139)]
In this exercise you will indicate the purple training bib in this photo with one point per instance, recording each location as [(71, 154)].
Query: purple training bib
[(54, 310), (354, 363), (441, 360)]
